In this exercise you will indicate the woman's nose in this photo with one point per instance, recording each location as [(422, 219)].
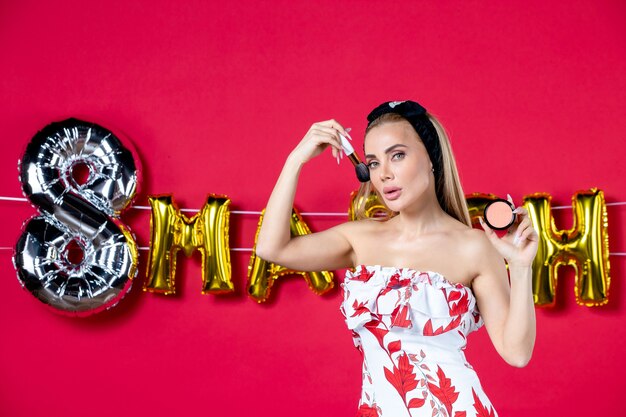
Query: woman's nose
[(384, 172)]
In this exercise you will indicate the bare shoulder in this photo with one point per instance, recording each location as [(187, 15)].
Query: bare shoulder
[(476, 242), (480, 255), (355, 229)]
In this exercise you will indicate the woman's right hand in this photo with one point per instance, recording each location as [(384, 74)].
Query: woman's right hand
[(329, 249), (319, 137)]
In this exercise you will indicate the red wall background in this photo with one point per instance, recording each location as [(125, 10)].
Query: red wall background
[(215, 96)]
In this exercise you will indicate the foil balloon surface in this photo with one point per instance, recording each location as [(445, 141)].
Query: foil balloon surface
[(262, 274), (476, 203), (372, 205), (585, 247), (207, 232), (77, 256)]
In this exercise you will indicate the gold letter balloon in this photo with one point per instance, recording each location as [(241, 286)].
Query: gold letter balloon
[(585, 247), (262, 274), (207, 231), (371, 206)]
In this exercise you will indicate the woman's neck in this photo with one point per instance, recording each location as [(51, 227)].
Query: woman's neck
[(421, 219)]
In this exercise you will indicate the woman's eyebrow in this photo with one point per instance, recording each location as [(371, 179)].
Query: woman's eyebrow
[(389, 149)]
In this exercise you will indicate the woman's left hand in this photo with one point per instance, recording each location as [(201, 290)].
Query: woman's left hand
[(519, 245)]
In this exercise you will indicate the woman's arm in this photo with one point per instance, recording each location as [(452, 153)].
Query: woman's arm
[(327, 250), (520, 328), (508, 312)]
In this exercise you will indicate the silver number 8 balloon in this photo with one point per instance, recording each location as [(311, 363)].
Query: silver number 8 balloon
[(77, 256)]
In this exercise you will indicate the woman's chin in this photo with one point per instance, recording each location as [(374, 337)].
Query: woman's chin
[(396, 208)]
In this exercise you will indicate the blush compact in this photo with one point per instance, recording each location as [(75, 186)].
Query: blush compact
[(499, 214)]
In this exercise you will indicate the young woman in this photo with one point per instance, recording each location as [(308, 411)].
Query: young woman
[(422, 277)]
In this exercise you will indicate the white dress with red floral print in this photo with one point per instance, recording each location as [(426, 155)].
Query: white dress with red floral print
[(411, 328)]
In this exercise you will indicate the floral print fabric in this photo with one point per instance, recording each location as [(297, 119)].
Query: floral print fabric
[(411, 328)]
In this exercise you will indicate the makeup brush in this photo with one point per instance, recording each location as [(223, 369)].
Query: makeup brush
[(362, 172)]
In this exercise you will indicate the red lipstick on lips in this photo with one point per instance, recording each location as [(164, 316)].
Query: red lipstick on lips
[(392, 192)]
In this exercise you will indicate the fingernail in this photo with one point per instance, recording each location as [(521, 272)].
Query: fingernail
[(508, 196), (348, 129), (341, 154), (337, 159)]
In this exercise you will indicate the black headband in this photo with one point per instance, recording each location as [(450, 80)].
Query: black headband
[(418, 118)]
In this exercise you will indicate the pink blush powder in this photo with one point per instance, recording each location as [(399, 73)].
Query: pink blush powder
[(499, 214)]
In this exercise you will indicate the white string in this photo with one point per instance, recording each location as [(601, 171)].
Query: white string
[(188, 210), (146, 248), (191, 210), (13, 198)]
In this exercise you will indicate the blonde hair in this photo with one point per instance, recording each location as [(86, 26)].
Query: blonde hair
[(448, 185)]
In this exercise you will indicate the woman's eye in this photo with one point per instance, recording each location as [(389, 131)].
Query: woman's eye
[(399, 153), (372, 164)]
